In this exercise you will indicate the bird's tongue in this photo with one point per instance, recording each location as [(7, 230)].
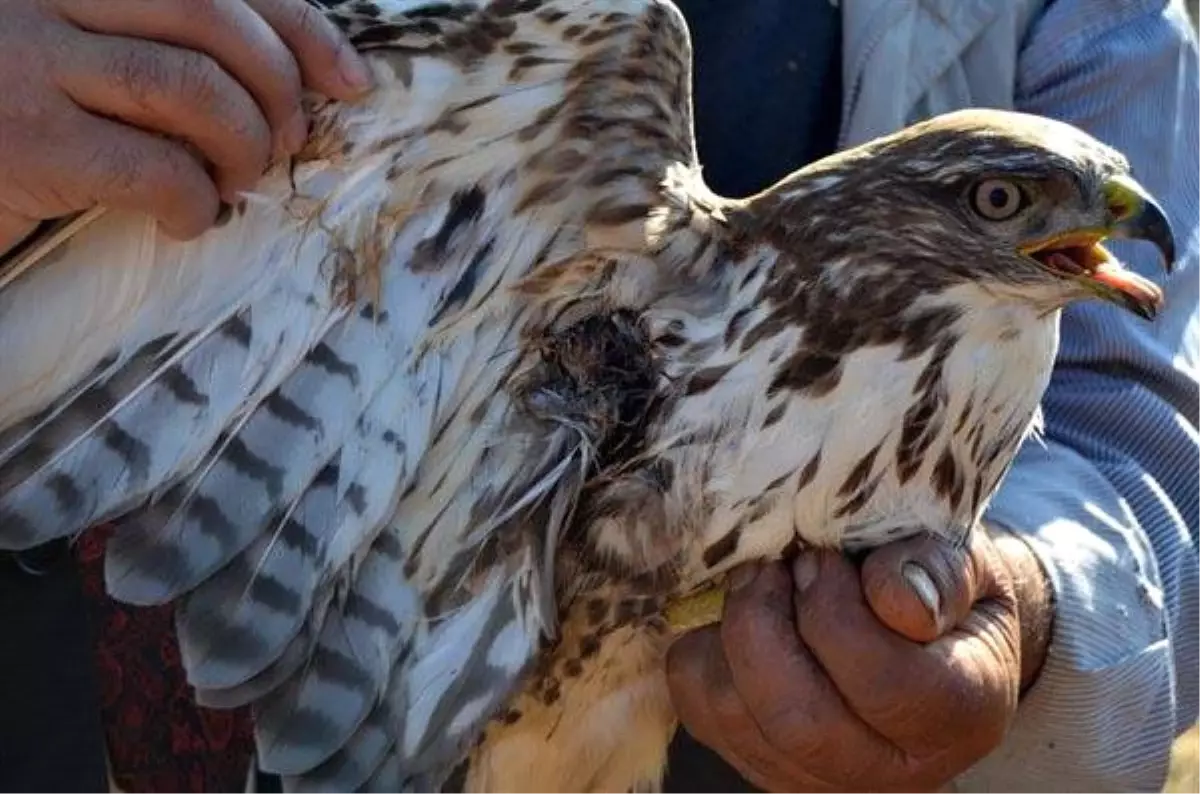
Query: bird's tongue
[(1085, 261), (1094, 264), (1118, 278), (1064, 263)]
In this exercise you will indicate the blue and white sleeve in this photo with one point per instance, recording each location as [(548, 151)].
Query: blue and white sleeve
[(1108, 499)]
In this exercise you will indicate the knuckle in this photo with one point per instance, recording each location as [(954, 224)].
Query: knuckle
[(150, 76), (167, 168), (180, 191), (210, 94), (779, 721), (310, 24), (199, 12), (120, 169), (141, 73), (198, 82), (252, 151)]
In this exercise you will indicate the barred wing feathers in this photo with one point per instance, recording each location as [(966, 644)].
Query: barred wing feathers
[(303, 421)]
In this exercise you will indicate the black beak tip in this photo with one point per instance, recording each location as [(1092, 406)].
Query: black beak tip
[(1147, 311), (1168, 252), (1139, 216), (1153, 226)]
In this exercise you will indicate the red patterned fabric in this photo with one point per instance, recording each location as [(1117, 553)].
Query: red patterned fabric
[(158, 738)]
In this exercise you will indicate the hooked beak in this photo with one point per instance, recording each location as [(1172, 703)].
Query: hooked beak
[(1137, 216), (1133, 215)]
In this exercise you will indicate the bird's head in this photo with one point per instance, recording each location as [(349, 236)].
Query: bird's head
[(1018, 203)]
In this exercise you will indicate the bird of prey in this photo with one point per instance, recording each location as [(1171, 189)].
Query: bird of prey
[(425, 439)]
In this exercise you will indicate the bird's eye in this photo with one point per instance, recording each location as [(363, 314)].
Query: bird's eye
[(997, 199)]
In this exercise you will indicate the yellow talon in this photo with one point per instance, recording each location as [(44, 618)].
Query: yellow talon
[(696, 610)]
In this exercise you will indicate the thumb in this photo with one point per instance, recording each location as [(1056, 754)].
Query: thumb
[(922, 587)]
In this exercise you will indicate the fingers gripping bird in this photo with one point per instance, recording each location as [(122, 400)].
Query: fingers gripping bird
[(427, 437)]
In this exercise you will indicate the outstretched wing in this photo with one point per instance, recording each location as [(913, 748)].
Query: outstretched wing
[(304, 420)]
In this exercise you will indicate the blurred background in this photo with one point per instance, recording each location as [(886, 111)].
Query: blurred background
[(1185, 767), (1186, 770), (1185, 775)]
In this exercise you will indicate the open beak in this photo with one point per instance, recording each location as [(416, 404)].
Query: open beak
[(1133, 215)]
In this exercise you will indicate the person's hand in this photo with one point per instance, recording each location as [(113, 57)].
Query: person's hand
[(897, 677), (98, 97)]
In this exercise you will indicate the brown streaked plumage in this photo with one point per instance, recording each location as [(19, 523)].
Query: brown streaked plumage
[(425, 436)]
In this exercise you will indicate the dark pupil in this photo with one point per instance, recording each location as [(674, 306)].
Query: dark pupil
[(998, 198)]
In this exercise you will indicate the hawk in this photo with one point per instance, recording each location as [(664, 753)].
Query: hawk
[(426, 439)]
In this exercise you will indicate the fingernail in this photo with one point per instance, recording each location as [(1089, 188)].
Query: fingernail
[(804, 570), (355, 72), (742, 575), (295, 133), (922, 584)]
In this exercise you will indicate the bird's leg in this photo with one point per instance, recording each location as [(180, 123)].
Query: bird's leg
[(697, 609), (595, 715)]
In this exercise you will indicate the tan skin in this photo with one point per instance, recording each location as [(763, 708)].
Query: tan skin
[(824, 676), (101, 97)]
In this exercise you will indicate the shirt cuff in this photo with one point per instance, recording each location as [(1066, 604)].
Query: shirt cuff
[(1100, 716)]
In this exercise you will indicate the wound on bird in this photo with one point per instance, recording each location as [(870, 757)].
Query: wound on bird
[(599, 374)]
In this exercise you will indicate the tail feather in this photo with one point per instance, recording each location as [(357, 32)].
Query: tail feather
[(357, 649), (254, 473), (364, 753), (293, 656), (465, 674), (84, 462), (265, 593), (269, 588), (452, 681)]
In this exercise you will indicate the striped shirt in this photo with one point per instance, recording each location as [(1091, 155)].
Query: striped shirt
[(1109, 499)]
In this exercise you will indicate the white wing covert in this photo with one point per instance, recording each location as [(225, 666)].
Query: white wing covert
[(303, 422)]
